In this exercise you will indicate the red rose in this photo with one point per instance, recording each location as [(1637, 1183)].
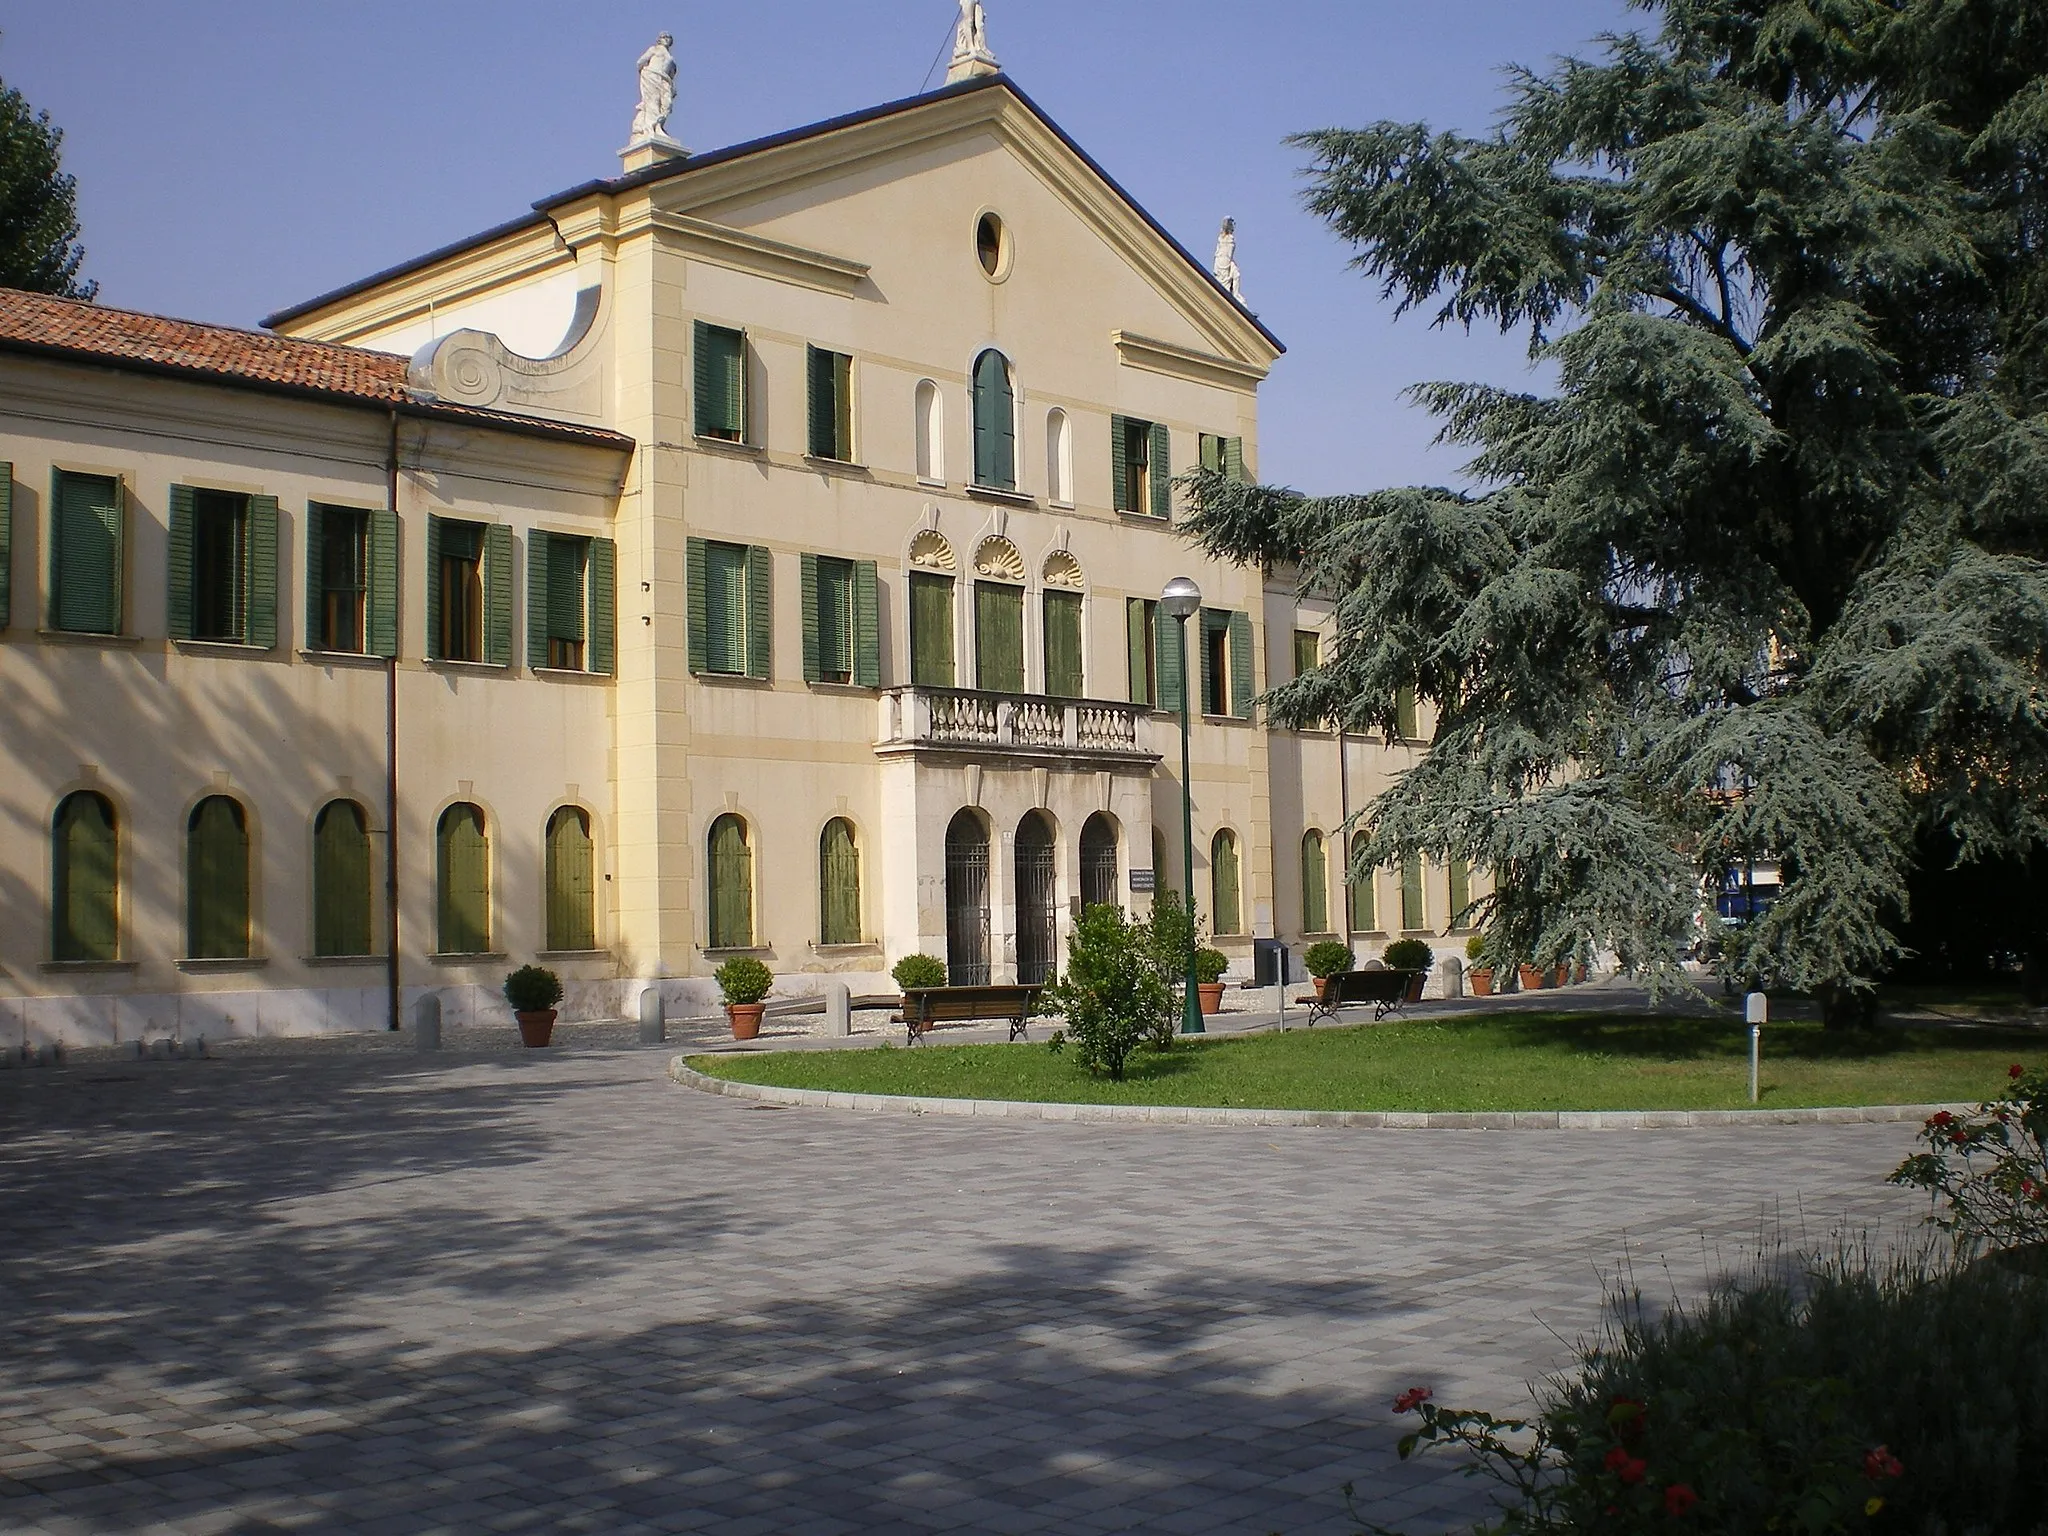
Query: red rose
[(2015, 1070), (1957, 1138), (1412, 1399), (1942, 1120), (1679, 1500), (1881, 1463), (1629, 1469)]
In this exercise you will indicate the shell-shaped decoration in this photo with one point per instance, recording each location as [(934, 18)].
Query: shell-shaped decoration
[(999, 560)]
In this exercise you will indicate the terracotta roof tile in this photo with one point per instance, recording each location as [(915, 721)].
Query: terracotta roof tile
[(94, 332)]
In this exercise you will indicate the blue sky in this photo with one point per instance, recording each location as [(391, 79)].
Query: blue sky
[(236, 155)]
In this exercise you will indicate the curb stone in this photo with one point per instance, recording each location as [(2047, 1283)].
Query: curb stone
[(1369, 1120)]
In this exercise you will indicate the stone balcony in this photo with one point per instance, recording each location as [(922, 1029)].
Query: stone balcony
[(961, 722)]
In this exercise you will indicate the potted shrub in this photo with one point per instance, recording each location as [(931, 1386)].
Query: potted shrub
[(1327, 959), (1411, 955), (1533, 979), (533, 992), (1210, 964), (1481, 976), (919, 972), (744, 981)]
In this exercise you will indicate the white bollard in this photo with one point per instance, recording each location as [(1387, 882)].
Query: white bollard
[(1757, 1008), (426, 1023), (838, 1010), (653, 1016)]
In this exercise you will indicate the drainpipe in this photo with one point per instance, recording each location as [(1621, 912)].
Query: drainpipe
[(391, 759)]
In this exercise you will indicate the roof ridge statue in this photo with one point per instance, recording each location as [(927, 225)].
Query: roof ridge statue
[(657, 69), (1228, 274), (971, 55)]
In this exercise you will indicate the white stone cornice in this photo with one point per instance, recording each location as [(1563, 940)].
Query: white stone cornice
[(1155, 356), (724, 246)]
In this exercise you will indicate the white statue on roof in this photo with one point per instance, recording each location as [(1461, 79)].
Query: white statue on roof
[(971, 55), (657, 92), (1226, 268)]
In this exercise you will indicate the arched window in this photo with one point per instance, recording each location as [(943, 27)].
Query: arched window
[(732, 885), (1059, 458), (462, 882), (1161, 869), (572, 881), (341, 880), (1098, 862), (1224, 914), (931, 432), (1414, 911), (995, 423), (217, 881), (1315, 888), (967, 958), (1037, 918), (85, 905), (1365, 916), (838, 884)]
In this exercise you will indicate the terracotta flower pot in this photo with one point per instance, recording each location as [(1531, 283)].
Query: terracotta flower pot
[(1211, 995), (1482, 983), (1532, 979), (1415, 986), (1562, 977), (745, 1019), (536, 1028)]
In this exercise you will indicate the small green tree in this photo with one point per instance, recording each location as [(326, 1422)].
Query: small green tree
[(1169, 932), (39, 247), (1111, 994)]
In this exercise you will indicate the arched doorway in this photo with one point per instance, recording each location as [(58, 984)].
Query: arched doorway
[(967, 901), (1098, 862), (1037, 930)]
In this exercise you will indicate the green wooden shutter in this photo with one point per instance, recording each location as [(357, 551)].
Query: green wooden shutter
[(1461, 895), (807, 586), (537, 606), (6, 544), (1315, 895), (1244, 685), (705, 406), (1210, 621), (696, 557), (838, 885), (462, 854), (760, 614), (1364, 903), (731, 923), (341, 880), (1063, 679), (603, 655), (435, 530), (84, 867), (1233, 458), (842, 396), (262, 549), (824, 413), (995, 423), (1224, 915), (1405, 719), (1172, 670), (998, 637), (1138, 653), (1120, 497), (498, 595), (86, 553), (178, 562), (1161, 470), (572, 882), (217, 881), (1414, 914), (316, 576), (867, 625), (720, 374), (931, 630), (383, 574)]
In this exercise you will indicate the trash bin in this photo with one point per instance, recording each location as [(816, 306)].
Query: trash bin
[(1270, 963)]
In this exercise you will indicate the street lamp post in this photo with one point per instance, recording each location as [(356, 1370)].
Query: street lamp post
[(1181, 600)]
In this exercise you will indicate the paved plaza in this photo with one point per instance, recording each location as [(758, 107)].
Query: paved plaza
[(328, 1292)]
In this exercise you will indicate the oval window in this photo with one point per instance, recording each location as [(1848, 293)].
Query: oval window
[(989, 243)]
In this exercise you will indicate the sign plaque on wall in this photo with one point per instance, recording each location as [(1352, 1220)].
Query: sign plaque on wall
[(1143, 882)]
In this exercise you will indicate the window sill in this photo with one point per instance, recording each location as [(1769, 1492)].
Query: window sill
[(574, 954), (361, 659), (571, 675), (221, 648), (320, 962), (481, 668), (743, 949), (1209, 719), (1151, 519), (931, 482), (1059, 505), (489, 956), (1000, 493), (733, 680), (846, 949), (727, 445), (87, 637), (88, 967), (857, 690), (221, 966), (830, 466)]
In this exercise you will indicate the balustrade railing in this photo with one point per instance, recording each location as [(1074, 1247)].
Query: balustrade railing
[(999, 722)]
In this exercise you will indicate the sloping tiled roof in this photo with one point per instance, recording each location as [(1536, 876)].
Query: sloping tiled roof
[(38, 323)]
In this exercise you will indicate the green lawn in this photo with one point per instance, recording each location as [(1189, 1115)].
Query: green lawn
[(1537, 1061)]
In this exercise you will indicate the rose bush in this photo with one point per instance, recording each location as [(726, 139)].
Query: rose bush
[(1987, 1170)]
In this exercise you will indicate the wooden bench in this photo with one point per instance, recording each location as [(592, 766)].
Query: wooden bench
[(928, 1008), (1387, 991)]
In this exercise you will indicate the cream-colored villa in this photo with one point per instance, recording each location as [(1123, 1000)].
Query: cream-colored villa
[(754, 552)]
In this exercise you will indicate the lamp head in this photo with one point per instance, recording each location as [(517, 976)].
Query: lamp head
[(1181, 598)]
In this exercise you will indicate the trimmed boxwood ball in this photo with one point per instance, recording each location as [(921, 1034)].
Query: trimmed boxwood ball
[(1475, 948), (743, 979), (919, 971), (1327, 958), (1210, 964), (533, 989), (1409, 955)]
